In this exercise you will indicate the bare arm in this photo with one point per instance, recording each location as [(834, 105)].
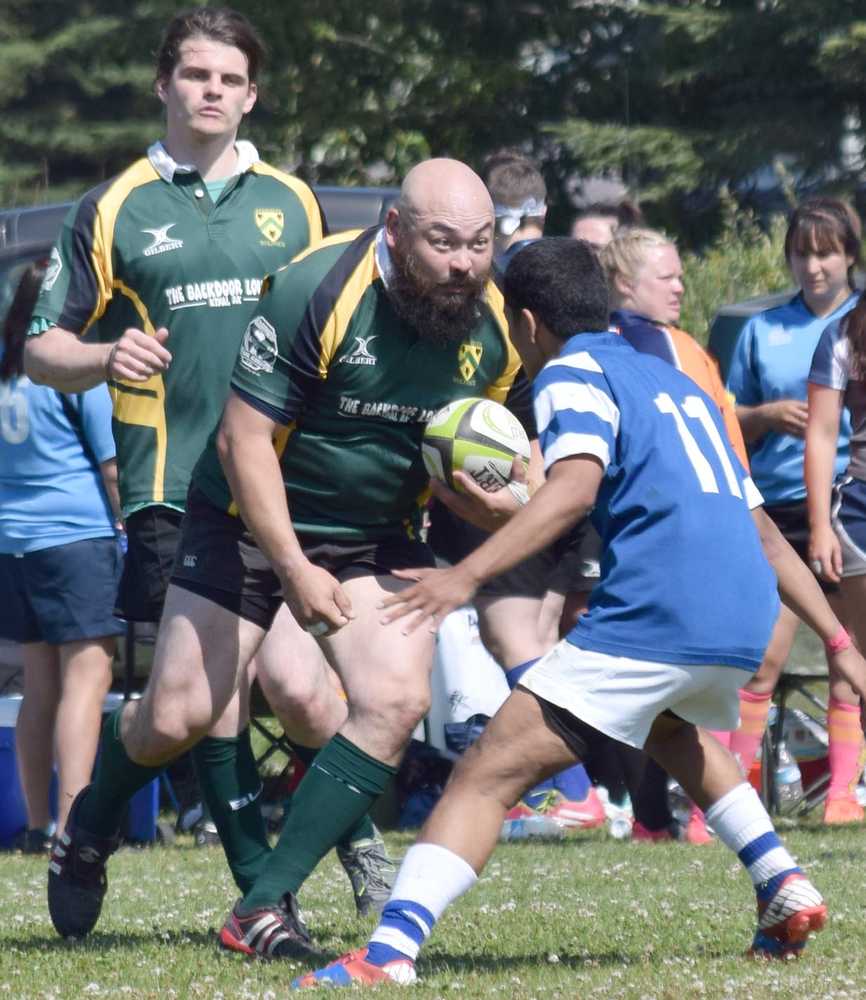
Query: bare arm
[(565, 498), (108, 471), (800, 591), (822, 440), (60, 358), (246, 450), (783, 416)]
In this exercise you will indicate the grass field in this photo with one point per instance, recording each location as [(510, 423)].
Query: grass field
[(587, 918)]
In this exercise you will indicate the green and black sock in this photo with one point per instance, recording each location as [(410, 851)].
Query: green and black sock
[(231, 787), (116, 779), (341, 785)]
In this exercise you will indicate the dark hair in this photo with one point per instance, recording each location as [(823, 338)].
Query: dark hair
[(561, 281), (626, 212), (825, 225), (18, 320), (221, 24), (512, 182)]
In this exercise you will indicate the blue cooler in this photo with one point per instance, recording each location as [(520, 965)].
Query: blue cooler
[(13, 814), (143, 811)]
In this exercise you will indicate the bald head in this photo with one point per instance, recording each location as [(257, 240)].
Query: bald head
[(440, 234), (443, 188)]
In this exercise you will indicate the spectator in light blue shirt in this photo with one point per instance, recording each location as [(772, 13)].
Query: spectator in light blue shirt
[(768, 377), (60, 564)]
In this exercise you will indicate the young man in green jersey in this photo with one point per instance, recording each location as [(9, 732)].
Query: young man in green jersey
[(351, 349), (166, 262)]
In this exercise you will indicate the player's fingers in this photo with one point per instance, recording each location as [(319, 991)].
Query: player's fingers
[(343, 604), (519, 472), (416, 573)]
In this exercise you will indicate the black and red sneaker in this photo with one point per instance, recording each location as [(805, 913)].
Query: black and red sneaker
[(268, 932), (76, 876)]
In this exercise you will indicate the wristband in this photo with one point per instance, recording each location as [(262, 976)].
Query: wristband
[(519, 491), (840, 641)]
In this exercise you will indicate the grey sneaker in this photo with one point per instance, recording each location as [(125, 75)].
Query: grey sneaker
[(371, 872)]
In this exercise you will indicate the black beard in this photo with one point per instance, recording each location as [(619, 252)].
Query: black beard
[(439, 316)]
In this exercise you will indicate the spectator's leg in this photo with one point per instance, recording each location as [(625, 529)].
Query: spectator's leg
[(85, 671), (36, 716)]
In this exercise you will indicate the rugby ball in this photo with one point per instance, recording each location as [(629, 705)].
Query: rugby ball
[(475, 436)]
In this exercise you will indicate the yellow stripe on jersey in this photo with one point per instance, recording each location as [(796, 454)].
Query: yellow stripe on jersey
[(107, 208), (305, 196), (344, 308), (143, 403), (498, 390)]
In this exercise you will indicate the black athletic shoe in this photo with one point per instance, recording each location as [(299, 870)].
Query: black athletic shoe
[(76, 876), (268, 932), (33, 841)]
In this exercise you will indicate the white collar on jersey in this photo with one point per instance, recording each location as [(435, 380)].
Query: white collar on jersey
[(384, 261), (166, 167)]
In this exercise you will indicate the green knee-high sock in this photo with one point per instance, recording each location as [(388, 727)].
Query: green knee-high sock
[(115, 780), (231, 786), (335, 793), (363, 829)]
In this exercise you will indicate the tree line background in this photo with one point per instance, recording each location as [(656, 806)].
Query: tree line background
[(700, 107)]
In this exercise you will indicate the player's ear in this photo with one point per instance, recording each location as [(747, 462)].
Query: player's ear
[(392, 225), (159, 87), (530, 324), (252, 94)]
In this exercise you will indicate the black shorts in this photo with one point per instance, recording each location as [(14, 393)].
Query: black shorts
[(561, 567), (61, 594), (218, 559), (792, 519), (152, 537)]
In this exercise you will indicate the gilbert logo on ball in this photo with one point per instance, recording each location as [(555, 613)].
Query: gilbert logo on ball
[(475, 436)]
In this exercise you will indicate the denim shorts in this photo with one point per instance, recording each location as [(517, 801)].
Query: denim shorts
[(61, 594)]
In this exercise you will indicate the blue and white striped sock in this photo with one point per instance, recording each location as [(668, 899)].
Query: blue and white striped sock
[(741, 823), (429, 879)]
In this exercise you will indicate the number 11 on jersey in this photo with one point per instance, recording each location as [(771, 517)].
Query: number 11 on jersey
[(695, 409)]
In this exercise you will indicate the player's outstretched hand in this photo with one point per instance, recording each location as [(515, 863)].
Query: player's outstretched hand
[(485, 510), (435, 595), (317, 601), (138, 356)]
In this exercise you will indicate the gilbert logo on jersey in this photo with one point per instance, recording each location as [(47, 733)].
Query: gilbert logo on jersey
[(361, 354), (162, 242)]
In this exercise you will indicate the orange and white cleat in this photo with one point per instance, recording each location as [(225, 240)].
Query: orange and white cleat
[(353, 969), (786, 920)]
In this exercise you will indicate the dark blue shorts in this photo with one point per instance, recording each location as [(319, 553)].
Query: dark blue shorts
[(61, 594), (848, 515)]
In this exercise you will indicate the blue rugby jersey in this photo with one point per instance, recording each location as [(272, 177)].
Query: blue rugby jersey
[(771, 362), (683, 575)]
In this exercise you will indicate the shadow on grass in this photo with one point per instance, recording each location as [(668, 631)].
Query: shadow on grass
[(133, 940), (446, 963)]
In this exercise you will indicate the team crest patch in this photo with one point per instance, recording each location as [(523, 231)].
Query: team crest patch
[(270, 222), (468, 359), (52, 271), (259, 346)]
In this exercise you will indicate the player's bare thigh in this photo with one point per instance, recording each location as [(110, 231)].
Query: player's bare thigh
[(298, 682), (202, 651), (386, 674), (517, 629)]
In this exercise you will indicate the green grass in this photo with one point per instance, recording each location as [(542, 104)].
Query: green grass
[(589, 918)]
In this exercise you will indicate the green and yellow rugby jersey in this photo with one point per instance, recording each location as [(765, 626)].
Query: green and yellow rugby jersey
[(327, 357), (150, 248)]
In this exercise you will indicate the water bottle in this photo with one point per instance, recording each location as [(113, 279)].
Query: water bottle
[(788, 781), (531, 828)]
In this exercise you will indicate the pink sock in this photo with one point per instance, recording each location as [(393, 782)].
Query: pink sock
[(847, 748), (744, 743)]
